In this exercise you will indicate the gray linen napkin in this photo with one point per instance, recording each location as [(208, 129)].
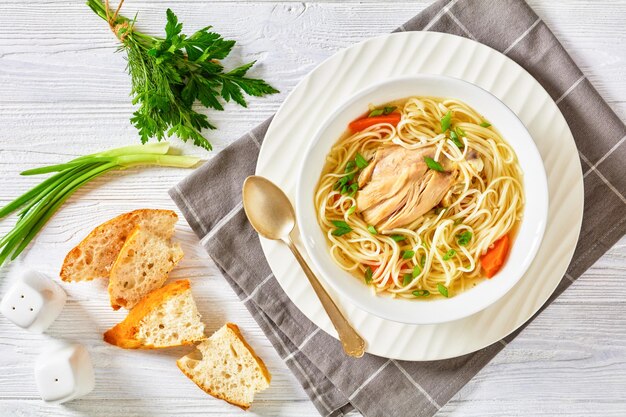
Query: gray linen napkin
[(210, 199)]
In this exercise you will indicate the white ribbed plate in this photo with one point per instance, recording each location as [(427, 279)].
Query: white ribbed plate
[(407, 53)]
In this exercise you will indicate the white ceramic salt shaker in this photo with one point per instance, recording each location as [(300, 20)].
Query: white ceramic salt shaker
[(64, 372), (33, 302)]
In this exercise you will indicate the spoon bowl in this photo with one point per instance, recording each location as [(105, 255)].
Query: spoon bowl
[(268, 208)]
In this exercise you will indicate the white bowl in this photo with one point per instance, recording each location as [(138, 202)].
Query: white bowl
[(526, 242)]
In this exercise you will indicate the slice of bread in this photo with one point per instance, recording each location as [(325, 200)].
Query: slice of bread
[(226, 367), (166, 317), (142, 266), (95, 255)]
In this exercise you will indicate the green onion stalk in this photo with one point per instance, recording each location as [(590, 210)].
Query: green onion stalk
[(42, 201)]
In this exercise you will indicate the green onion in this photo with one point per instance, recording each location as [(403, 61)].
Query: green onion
[(464, 238), (389, 109), (375, 112), (432, 164), (407, 254), (485, 124), (42, 201), (445, 121), (360, 161), (406, 280), (368, 275), (460, 132), (423, 261), (372, 229), (455, 139), (353, 188), (398, 238), (442, 290), (350, 165), (416, 271), (449, 254), (351, 210), (458, 222), (421, 293)]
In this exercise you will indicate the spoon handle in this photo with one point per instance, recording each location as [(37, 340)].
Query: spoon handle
[(353, 344)]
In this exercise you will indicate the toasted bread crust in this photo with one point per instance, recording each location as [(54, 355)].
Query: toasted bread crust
[(266, 374), (123, 225), (124, 333)]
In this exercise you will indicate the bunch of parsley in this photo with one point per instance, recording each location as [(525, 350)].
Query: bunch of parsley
[(170, 74)]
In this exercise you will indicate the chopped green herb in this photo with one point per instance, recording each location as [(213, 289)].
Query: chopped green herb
[(375, 112), (354, 187), (445, 121), (350, 165), (416, 271), (407, 254), (464, 238), (389, 109), (449, 254), (455, 139), (351, 210), (340, 223), (442, 290), (341, 228), (372, 229), (360, 161), (421, 293), (368, 275), (460, 132), (485, 124), (458, 222), (432, 164), (406, 280), (423, 261), (398, 238)]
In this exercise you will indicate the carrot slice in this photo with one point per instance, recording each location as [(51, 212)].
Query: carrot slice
[(493, 260), (365, 122)]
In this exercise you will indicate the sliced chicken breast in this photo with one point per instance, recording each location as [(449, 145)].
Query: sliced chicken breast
[(397, 187)]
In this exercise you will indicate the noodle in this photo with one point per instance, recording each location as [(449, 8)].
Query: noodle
[(485, 202)]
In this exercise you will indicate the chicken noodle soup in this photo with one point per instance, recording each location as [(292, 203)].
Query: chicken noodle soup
[(420, 197)]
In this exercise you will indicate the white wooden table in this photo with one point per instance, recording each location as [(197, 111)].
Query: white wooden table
[(63, 93)]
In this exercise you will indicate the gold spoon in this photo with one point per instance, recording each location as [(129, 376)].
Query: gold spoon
[(271, 214)]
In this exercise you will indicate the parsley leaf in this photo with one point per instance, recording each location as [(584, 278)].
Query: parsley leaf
[(168, 75), (445, 121), (432, 164)]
